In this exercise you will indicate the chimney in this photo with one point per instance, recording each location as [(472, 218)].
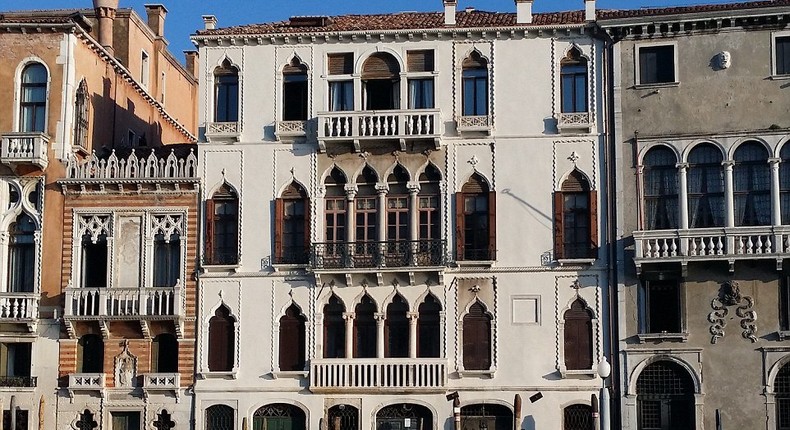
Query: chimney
[(156, 18), (192, 62), (209, 22), (589, 10), (449, 11), (105, 12), (523, 11)]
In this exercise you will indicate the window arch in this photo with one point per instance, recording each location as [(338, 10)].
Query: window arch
[(164, 354), (784, 182), (391, 417), (752, 185), (90, 354), (81, 106), (226, 93), (292, 340), (279, 416), (365, 329), (295, 91), (782, 396), (660, 188), (33, 100), (220, 417), (222, 234), (475, 85), (429, 332), (396, 328), (22, 255), (343, 417), (477, 338), (221, 341), (573, 82), (578, 349), (578, 417), (475, 221), (381, 81), (665, 397), (705, 187), (292, 225), (575, 218), (334, 329)]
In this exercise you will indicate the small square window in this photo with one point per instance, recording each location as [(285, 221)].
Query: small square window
[(657, 65), (782, 55)]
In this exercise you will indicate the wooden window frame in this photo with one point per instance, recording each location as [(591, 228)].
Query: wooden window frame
[(292, 340), (221, 356), (226, 196), (471, 343)]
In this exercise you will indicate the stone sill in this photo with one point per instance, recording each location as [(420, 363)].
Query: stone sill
[(663, 337), (656, 86)]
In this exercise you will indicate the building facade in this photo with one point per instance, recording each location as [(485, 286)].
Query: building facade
[(402, 216), (700, 141)]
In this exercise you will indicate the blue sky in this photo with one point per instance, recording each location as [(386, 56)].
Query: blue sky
[(184, 15)]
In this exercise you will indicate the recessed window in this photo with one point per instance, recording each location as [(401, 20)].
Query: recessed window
[(21, 255), (292, 340), (660, 189), (381, 82), (221, 341), (90, 354), (222, 236), (477, 338), (15, 364), (334, 329), (573, 82), (475, 85), (295, 91), (578, 349), (292, 226), (33, 104), (665, 397), (421, 89), (782, 55), (657, 64), (144, 68), (125, 420), (226, 93), (662, 306)]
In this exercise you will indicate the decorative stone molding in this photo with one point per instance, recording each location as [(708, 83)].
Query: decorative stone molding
[(730, 295), (125, 371)]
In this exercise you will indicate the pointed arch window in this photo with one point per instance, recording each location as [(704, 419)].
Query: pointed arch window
[(94, 261), (660, 189), (381, 82), (81, 106), (222, 225), (477, 338), (578, 349), (573, 82), (33, 100), (665, 397), (396, 328), (366, 213), (164, 354), (429, 215), (292, 340), (475, 85), (295, 91), (429, 333), (226, 93), (752, 183), (220, 417), (335, 219), (167, 260), (475, 221), (22, 255), (365, 329), (221, 341), (784, 183), (292, 226), (334, 329), (90, 354), (398, 205), (705, 187), (575, 218), (782, 396)]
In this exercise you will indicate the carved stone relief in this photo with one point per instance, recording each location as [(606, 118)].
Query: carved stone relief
[(730, 295), (125, 368)]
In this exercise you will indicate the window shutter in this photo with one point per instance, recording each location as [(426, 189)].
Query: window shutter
[(209, 250), (459, 226), (278, 229), (380, 66), (492, 225), (477, 339), (420, 61), (341, 64), (593, 201), (289, 349), (559, 237)]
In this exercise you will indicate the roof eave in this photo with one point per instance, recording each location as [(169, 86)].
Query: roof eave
[(694, 16)]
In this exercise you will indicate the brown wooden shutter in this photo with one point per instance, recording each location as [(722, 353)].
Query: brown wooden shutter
[(559, 237), (279, 219), (578, 338), (380, 66), (420, 61), (474, 62), (477, 339), (209, 248), (307, 212), (459, 226), (593, 196), (220, 344), (492, 225), (341, 64), (292, 337)]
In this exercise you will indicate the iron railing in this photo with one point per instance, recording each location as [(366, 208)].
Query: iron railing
[(294, 255), (18, 381), (403, 253), (477, 254)]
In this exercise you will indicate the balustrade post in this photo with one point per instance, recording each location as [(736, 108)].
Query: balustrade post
[(144, 298), (69, 305), (103, 301)]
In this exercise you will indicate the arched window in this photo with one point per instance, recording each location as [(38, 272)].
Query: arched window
[(573, 82), (86, 421), (705, 187), (475, 221), (220, 417), (167, 260), (477, 338), (396, 329), (81, 104), (335, 214), (431, 248), (393, 417), (575, 218), (334, 329), (578, 349), (292, 226), (90, 354), (94, 261), (226, 93), (21, 255), (429, 331), (365, 331), (222, 233), (660, 189), (279, 416), (366, 249), (475, 85), (343, 417), (164, 421), (33, 101), (665, 397), (578, 417), (381, 82), (295, 91), (752, 183), (398, 205), (486, 416), (221, 341), (164, 354), (782, 397), (292, 340), (784, 183)]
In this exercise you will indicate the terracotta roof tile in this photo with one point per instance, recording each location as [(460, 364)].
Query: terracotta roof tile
[(648, 12)]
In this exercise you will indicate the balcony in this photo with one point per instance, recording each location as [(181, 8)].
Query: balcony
[(123, 303), (24, 149), (400, 125), (474, 123), (574, 122), (377, 375), (18, 306), (223, 131), (86, 381), (366, 255), (290, 129), (18, 381), (712, 244), (161, 381)]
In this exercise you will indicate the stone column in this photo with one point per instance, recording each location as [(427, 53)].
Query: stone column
[(380, 335), (351, 193), (413, 318), (776, 199), (729, 196), (349, 318), (381, 233), (683, 201)]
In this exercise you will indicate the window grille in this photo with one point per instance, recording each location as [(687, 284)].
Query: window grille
[(665, 397), (343, 417), (578, 417), (782, 393), (220, 417)]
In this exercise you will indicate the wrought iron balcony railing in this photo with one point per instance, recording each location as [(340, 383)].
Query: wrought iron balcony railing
[(477, 254), (404, 253), (18, 381), (292, 255)]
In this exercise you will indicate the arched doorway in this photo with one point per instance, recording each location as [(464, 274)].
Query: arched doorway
[(486, 417), (279, 416), (665, 397), (404, 416)]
